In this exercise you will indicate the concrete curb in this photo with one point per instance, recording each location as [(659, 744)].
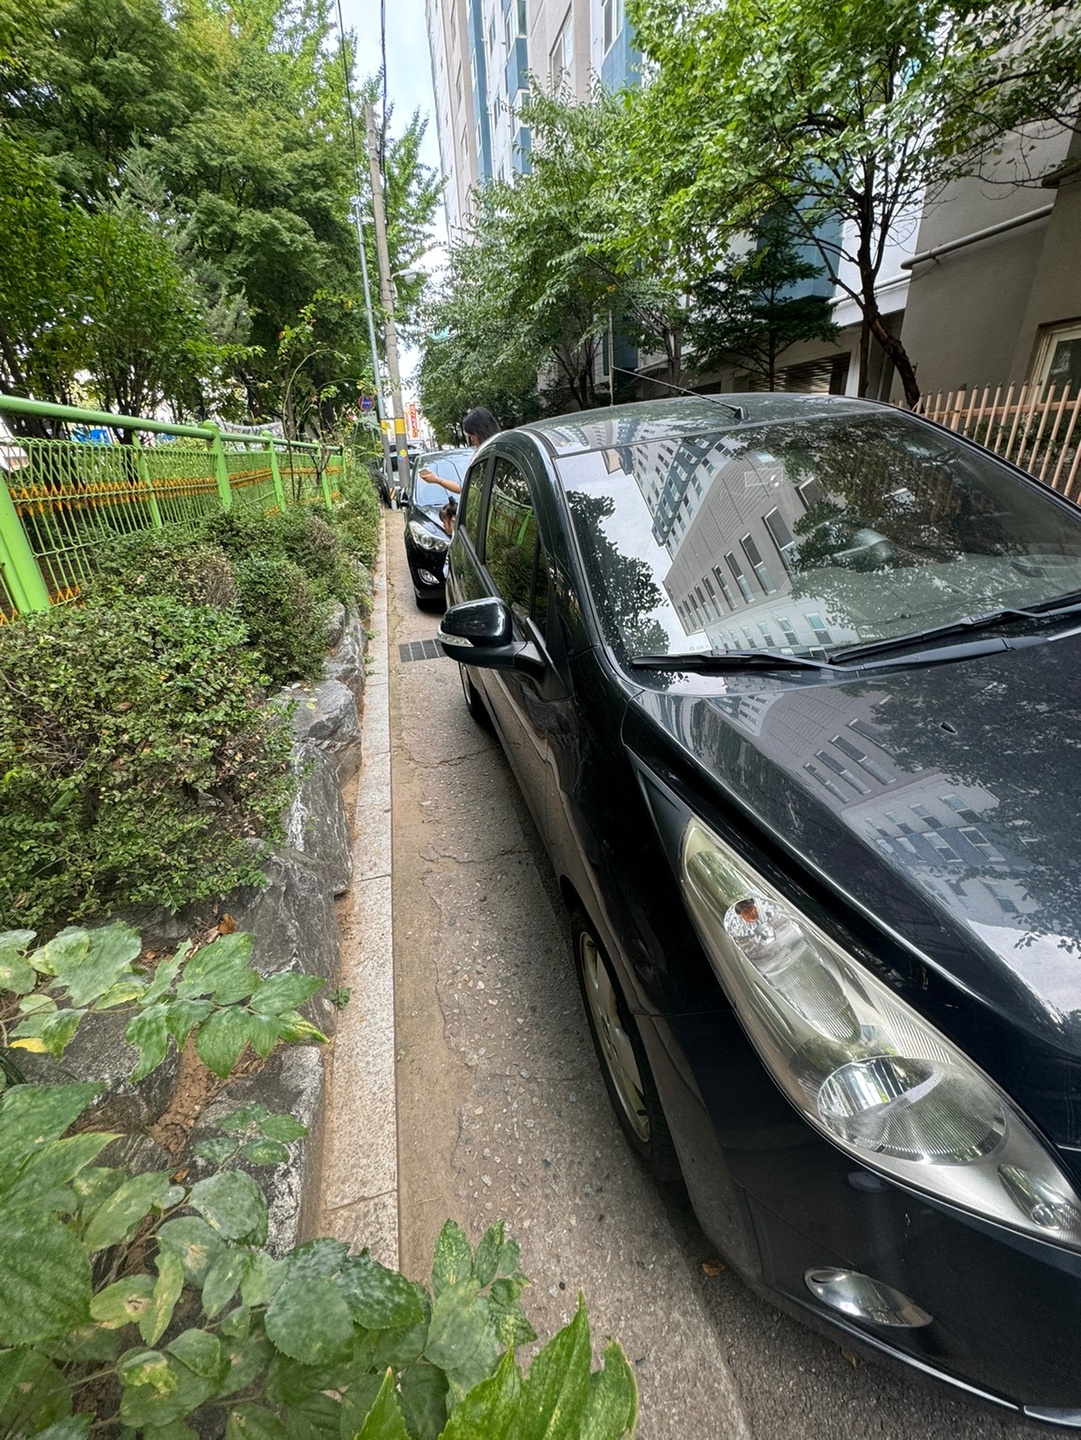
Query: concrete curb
[(360, 1161)]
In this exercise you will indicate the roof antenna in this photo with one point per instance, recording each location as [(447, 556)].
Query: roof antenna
[(737, 410)]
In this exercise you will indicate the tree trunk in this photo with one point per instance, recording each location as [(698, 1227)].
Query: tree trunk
[(898, 354)]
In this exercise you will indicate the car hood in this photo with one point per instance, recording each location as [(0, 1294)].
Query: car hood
[(944, 799)]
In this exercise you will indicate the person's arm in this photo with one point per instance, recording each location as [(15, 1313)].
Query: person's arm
[(451, 485)]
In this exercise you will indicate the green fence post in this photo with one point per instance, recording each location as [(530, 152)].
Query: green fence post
[(275, 472), (22, 574), (144, 475), (324, 478), (221, 471)]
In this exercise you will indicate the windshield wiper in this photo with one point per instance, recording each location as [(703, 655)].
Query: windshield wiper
[(850, 654), (718, 660)]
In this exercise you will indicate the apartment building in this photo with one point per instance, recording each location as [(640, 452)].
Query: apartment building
[(483, 54)]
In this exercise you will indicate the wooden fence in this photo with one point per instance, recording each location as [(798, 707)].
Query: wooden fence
[(1038, 429)]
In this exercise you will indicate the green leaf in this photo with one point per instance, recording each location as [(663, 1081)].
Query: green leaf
[(220, 969), (123, 1303), (54, 1029), (44, 1277), (32, 1392), (232, 1204), (283, 1127), (165, 974), (167, 1291), (324, 1257), (19, 940), (122, 993), (356, 1403), (495, 1256), (248, 1359), (54, 1165), (71, 1427), (220, 1040), (284, 992), (264, 1152), (490, 1410), (175, 1430), (243, 1118), (264, 1032), (384, 1420), (63, 951), (33, 1115), (88, 974), (453, 1259), (237, 1324), (158, 1389), (117, 1218), (217, 1151), (378, 1298), (298, 1031), (263, 1280), (506, 1316), (554, 1392), (193, 1241), (224, 1277), (16, 972), (202, 1352), (316, 1417), (612, 1404), (422, 1393), (183, 1016), (252, 1422), (310, 1321), (460, 1340), (149, 1033)]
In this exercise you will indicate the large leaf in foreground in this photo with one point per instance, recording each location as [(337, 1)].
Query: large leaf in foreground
[(44, 1278)]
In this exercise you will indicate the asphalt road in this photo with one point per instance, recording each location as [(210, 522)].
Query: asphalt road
[(502, 1112)]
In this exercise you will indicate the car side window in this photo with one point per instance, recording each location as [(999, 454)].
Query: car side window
[(510, 545), (474, 487)]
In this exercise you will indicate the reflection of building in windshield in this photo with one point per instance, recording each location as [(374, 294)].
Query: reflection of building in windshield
[(732, 545)]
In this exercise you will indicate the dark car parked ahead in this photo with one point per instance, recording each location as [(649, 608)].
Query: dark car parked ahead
[(429, 522), (791, 686)]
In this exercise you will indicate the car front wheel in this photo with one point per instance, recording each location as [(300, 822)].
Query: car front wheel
[(624, 1065)]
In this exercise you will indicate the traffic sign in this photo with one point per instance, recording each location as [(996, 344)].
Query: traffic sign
[(367, 404)]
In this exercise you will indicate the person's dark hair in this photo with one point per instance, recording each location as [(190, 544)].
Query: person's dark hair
[(481, 423)]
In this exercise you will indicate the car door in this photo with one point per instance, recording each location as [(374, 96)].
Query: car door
[(464, 578), (516, 567)]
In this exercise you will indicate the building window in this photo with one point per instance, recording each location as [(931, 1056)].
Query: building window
[(958, 806), (1005, 900), (758, 565), (612, 17), (862, 759), (826, 783), (1058, 359), (562, 57), (931, 821), (942, 847), (786, 627), (738, 576), (902, 825), (771, 644), (980, 841), (713, 597), (845, 773), (782, 537), (818, 625)]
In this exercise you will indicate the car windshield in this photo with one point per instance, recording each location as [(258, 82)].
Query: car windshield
[(809, 535), (426, 493)]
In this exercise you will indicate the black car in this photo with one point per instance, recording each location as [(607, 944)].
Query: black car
[(430, 510), (791, 687)]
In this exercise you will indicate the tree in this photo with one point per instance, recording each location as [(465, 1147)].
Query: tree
[(745, 315), (839, 111)]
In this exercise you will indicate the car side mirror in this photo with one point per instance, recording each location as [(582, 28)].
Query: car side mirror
[(481, 633)]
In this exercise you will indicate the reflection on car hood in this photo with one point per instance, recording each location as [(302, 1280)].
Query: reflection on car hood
[(946, 801)]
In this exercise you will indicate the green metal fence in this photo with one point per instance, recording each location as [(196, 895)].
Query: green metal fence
[(65, 501)]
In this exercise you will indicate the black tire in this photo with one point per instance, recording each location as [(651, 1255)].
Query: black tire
[(473, 703), (624, 1065)]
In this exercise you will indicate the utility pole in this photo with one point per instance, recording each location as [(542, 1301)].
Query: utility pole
[(386, 287), (380, 404)]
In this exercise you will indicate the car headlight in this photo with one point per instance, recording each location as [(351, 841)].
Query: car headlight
[(862, 1066), (423, 537)]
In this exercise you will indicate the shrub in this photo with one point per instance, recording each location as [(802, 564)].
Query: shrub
[(298, 535), (357, 517), (166, 562), (286, 621), (137, 760)]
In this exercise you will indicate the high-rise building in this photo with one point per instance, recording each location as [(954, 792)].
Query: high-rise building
[(483, 55)]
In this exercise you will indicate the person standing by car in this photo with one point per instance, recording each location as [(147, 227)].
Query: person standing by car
[(479, 425)]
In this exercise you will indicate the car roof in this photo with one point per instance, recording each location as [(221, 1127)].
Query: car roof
[(647, 420)]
